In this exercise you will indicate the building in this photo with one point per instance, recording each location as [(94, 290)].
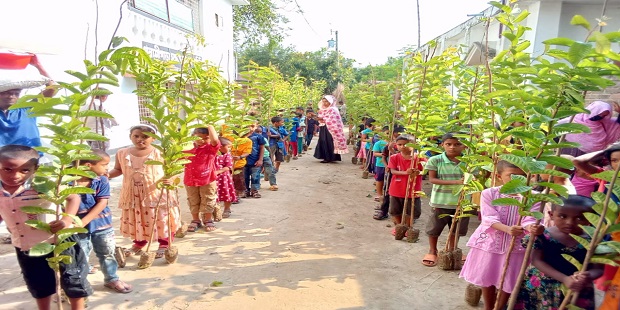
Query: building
[(65, 32), (548, 19)]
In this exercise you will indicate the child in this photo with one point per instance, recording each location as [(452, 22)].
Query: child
[(276, 143), (140, 195), (549, 269), (201, 179), (380, 163), (241, 149), (97, 218), (293, 137), (225, 186), (301, 131), (254, 165), (17, 167), (562, 181), (400, 166), (382, 211), (365, 144), (267, 163), (444, 173), (489, 243), (312, 129)]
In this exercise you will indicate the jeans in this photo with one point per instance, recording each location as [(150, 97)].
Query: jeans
[(252, 177), (103, 243), (300, 142), (268, 165), (309, 138)]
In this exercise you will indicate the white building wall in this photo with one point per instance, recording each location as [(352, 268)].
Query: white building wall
[(63, 37)]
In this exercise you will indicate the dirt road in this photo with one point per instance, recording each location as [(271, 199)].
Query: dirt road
[(311, 245)]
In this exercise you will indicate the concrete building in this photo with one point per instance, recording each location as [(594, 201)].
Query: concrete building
[(65, 32), (548, 19)]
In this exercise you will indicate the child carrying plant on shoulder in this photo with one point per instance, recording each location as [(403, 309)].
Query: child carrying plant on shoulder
[(382, 210), (445, 174), (140, 195), (380, 163), (18, 165), (489, 244), (549, 270), (97, 218), (276, 142), (225, 187), (365, 142), (200, 179), (267, 163), (403, 176), (254, 164), (293, 137)]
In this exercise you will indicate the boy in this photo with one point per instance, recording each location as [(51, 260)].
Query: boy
[(380, 163), (404, 175), (301, 132), (200, 179), (382, 211), (444, 173), (97, 218), (17, 167), (276, 143), (254, 164), (267, 163), (312, 128)]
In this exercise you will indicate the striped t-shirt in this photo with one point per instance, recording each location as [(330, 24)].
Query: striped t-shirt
[(441, 195)]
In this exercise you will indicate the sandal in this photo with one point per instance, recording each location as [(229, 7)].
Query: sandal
[(379, 215), (255, 194), (209, 226), (273, 188), (134, 250), (160, 253), (194, 225), (429, 260), (226, 214), (119, 286)]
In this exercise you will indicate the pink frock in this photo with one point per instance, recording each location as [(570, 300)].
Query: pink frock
[(489, 247), (225, 186), (140, 196)]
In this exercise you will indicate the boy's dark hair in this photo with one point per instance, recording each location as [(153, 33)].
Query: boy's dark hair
[(14, 151), (224, 141), (143, 128), (97, 152), (449, 136), (276, 119), (610, 150), (385, 128), (399, 129), (368, 122), (406, 137), (578, 202), (299, 108), (202, 130), (503, 165)]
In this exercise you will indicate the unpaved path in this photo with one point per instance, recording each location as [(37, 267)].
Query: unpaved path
[(311, 245)]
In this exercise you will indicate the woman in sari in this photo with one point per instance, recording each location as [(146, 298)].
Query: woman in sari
[(332, 142), (604, 129)]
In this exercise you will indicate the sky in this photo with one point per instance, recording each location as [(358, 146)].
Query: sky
[(371, 31)]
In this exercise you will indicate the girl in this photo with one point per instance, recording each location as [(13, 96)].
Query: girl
[(225, 188), (489, 243), (365, 143), (542, 288), (140, 195)]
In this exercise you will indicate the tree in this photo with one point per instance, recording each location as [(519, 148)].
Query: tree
[(258, 21)]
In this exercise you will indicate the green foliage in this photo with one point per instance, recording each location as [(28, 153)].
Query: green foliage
[(257, 21)]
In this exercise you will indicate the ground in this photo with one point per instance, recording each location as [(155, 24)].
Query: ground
[(311, 245)]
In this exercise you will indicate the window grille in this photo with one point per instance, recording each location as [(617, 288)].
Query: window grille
[(180, 13)]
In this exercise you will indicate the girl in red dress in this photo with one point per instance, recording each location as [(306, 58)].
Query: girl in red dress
[(225, 188)]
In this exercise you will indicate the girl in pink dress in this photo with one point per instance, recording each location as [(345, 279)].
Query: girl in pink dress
[(140, 195), (490, 242), (225, 187)]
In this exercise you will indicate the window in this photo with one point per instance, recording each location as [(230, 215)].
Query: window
[(181, 13), (219, 21)]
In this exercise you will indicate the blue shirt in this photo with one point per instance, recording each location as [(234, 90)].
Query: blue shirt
[(294, 129), (273, 141), (18, 127), (257, 141), (283, 134), (101, 186)]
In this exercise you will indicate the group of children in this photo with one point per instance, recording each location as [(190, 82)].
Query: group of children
[(220, 170), (489, 244)]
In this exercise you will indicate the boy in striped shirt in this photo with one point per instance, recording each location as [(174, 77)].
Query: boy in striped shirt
[(445, 174)]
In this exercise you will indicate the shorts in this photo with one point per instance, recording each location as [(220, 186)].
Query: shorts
[(397, 204), (277, 152), (40, 278), (379, 174), (436, 224)]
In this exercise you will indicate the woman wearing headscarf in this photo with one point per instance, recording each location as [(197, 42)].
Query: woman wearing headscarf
[(604, 129), (332, 142)]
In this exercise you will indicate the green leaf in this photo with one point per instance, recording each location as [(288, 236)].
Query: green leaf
[(76, 190), (579, 20), (75, 218), (603, 249), (68, 232), (507, 202), (79, 172), (37, 210), (578, 51), (607, 175), (561, 190), (154, 162), (573, 261), (62, 247), (558, 161), (94, 113), (602, 260), (515, 186), (615, 245), (39, 225), (603, 45), (41, 249), (559, 41), (592, 218), (584, 243)]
